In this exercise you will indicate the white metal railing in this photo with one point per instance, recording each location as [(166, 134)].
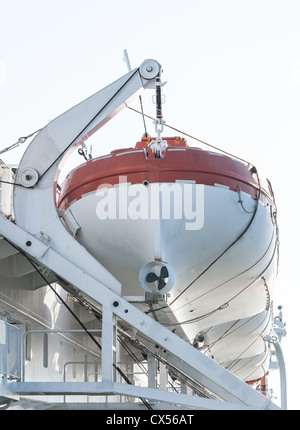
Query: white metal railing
[(61, 331), (10, 350)]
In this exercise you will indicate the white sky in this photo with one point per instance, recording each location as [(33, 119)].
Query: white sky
[(233, 73)]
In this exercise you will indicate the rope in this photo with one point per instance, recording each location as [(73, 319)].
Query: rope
[(141, 103), (192, 137), (19, 142)]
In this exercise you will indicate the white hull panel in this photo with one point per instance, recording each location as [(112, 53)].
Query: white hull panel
[(209, 291)]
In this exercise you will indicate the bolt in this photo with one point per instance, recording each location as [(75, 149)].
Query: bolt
[(149, 68), (116, 304), (28, 177), (28, 243)]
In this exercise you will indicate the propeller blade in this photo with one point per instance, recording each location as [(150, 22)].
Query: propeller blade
[(161, 285), (164, 273), (151, 277)]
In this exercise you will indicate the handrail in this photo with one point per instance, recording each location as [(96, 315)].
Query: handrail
[(49, 331)]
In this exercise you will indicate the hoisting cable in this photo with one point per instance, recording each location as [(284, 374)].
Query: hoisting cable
[(141, 103), (73, 314), (86, 126), (254, 210), (189, 135), (23, 139)]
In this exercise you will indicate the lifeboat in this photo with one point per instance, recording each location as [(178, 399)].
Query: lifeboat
[(192, 226)]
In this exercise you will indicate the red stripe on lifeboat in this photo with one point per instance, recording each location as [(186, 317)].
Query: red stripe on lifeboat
[(180, 162)]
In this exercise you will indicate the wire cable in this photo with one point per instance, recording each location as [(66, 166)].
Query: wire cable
[(73, 314), (226, 304), (237, 360), (228, 247), (141, 103), (86, 126), (234, 277), (192, 137), (253, 213), (19, 142)]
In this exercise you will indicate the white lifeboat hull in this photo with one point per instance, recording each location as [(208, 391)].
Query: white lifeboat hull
[(221, 263)]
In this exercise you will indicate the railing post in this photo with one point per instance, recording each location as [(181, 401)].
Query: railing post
[(5, 336), (108, 345)]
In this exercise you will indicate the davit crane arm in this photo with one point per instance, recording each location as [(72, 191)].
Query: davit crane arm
[(34, 205), (39, 232)]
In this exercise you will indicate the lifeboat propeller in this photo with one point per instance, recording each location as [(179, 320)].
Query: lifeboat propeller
[(157, 276), (164, 274)]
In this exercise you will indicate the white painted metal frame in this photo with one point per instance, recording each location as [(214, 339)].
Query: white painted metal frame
[(182, 355), (39, 232)]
